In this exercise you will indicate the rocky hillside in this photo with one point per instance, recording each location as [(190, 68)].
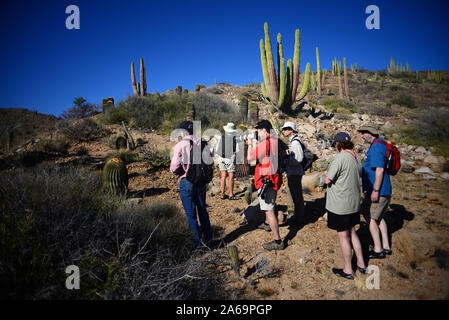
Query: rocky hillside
[(418, 216)]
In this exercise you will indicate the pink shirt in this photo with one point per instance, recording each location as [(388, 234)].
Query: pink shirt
[(181, 156)]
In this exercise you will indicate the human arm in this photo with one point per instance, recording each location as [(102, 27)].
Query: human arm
[(296, 153), (377, 184)]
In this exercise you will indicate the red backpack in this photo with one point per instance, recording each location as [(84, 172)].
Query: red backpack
[(393, 158)]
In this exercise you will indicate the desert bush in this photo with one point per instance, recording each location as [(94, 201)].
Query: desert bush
[(395, 87), (165, 114), (82, 130), (431, 129), (377, 110), (82, 151), (81, 109), (52, 146), (404, 100), (158, 158), (52, 217), (338, 105)]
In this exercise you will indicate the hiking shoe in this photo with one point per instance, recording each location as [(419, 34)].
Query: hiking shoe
[(341, 273), (376, 255), (362, 270), (388, 251), (264, 226), (273, 245)]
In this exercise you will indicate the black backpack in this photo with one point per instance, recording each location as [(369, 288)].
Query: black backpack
[(309, 158), (282, 157), (200, 173)]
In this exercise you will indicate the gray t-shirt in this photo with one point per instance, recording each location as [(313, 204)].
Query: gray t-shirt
[(343, 194)]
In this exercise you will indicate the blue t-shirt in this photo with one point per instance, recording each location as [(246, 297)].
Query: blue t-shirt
[(376, 157)]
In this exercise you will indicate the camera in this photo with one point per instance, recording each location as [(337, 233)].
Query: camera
[(266, 184)]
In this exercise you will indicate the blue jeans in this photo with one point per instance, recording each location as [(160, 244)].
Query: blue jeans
[(194, 201)]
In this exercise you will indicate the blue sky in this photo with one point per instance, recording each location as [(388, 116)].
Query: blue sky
[(44, 66)]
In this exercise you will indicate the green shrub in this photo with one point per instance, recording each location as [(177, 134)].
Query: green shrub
[(158, 158), (339, 105), (165, 113), (52, 146), (431, 129), (395, 87), (82, 130), (404, 100)]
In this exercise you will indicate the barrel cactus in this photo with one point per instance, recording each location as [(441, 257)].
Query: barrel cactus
[(235, 261), (115, 176)]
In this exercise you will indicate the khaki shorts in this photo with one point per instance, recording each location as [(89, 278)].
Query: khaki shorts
[(376, 210), (269, 202), (226, 164)]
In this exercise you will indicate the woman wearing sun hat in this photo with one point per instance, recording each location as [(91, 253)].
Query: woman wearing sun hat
[(227, 149), (343, 202)]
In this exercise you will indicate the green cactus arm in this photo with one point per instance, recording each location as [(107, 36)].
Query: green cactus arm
[(280, 55), (346, 79), (143, 84), (289, 82), (133, 80), (264, 91), (340, 88), (306, 83), (296, 60), (129, 137), (282, 84), (266, 77), (270, 64)]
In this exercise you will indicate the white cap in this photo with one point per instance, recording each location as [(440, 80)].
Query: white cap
[(290, 125)]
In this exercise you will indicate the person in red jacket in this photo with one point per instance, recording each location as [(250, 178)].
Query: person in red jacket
[(266, 174)]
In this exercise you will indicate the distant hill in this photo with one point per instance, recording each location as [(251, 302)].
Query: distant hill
[(27, 125)]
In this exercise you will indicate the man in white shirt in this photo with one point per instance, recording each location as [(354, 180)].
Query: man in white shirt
[(295, 171)]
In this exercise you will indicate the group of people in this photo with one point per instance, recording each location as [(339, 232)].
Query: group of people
[(343, 196)]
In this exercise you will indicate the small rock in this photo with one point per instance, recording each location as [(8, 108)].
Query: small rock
[(407, 169), (388, 125), (425, 170), (429, 177), (445, 176), (431, 159), (366, 117), (301, 260), (420, 150)]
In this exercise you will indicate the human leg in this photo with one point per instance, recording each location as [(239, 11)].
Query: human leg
[(186, 195), (357, 246), (200, 202), (346, 250)]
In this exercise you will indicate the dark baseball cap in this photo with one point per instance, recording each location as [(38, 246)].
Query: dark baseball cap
[(340, 137), (187, 125), (264, 124)]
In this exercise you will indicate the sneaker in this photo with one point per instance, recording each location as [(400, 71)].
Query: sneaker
[(264, 226), (362, 270), (273, 245), (376, 255)]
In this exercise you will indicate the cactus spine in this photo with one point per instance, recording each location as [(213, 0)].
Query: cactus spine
[(346, 79), (318, 72), (115, 176), (139, 89), (235, 261)]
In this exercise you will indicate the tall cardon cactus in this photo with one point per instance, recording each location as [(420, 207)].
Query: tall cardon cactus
[(139, 89), (279, 89)]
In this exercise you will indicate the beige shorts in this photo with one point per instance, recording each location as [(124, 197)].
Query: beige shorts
[(227, 165), (267, 204), (376, 210)]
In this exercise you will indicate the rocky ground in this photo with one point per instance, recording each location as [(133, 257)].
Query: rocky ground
[(418, 219)]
